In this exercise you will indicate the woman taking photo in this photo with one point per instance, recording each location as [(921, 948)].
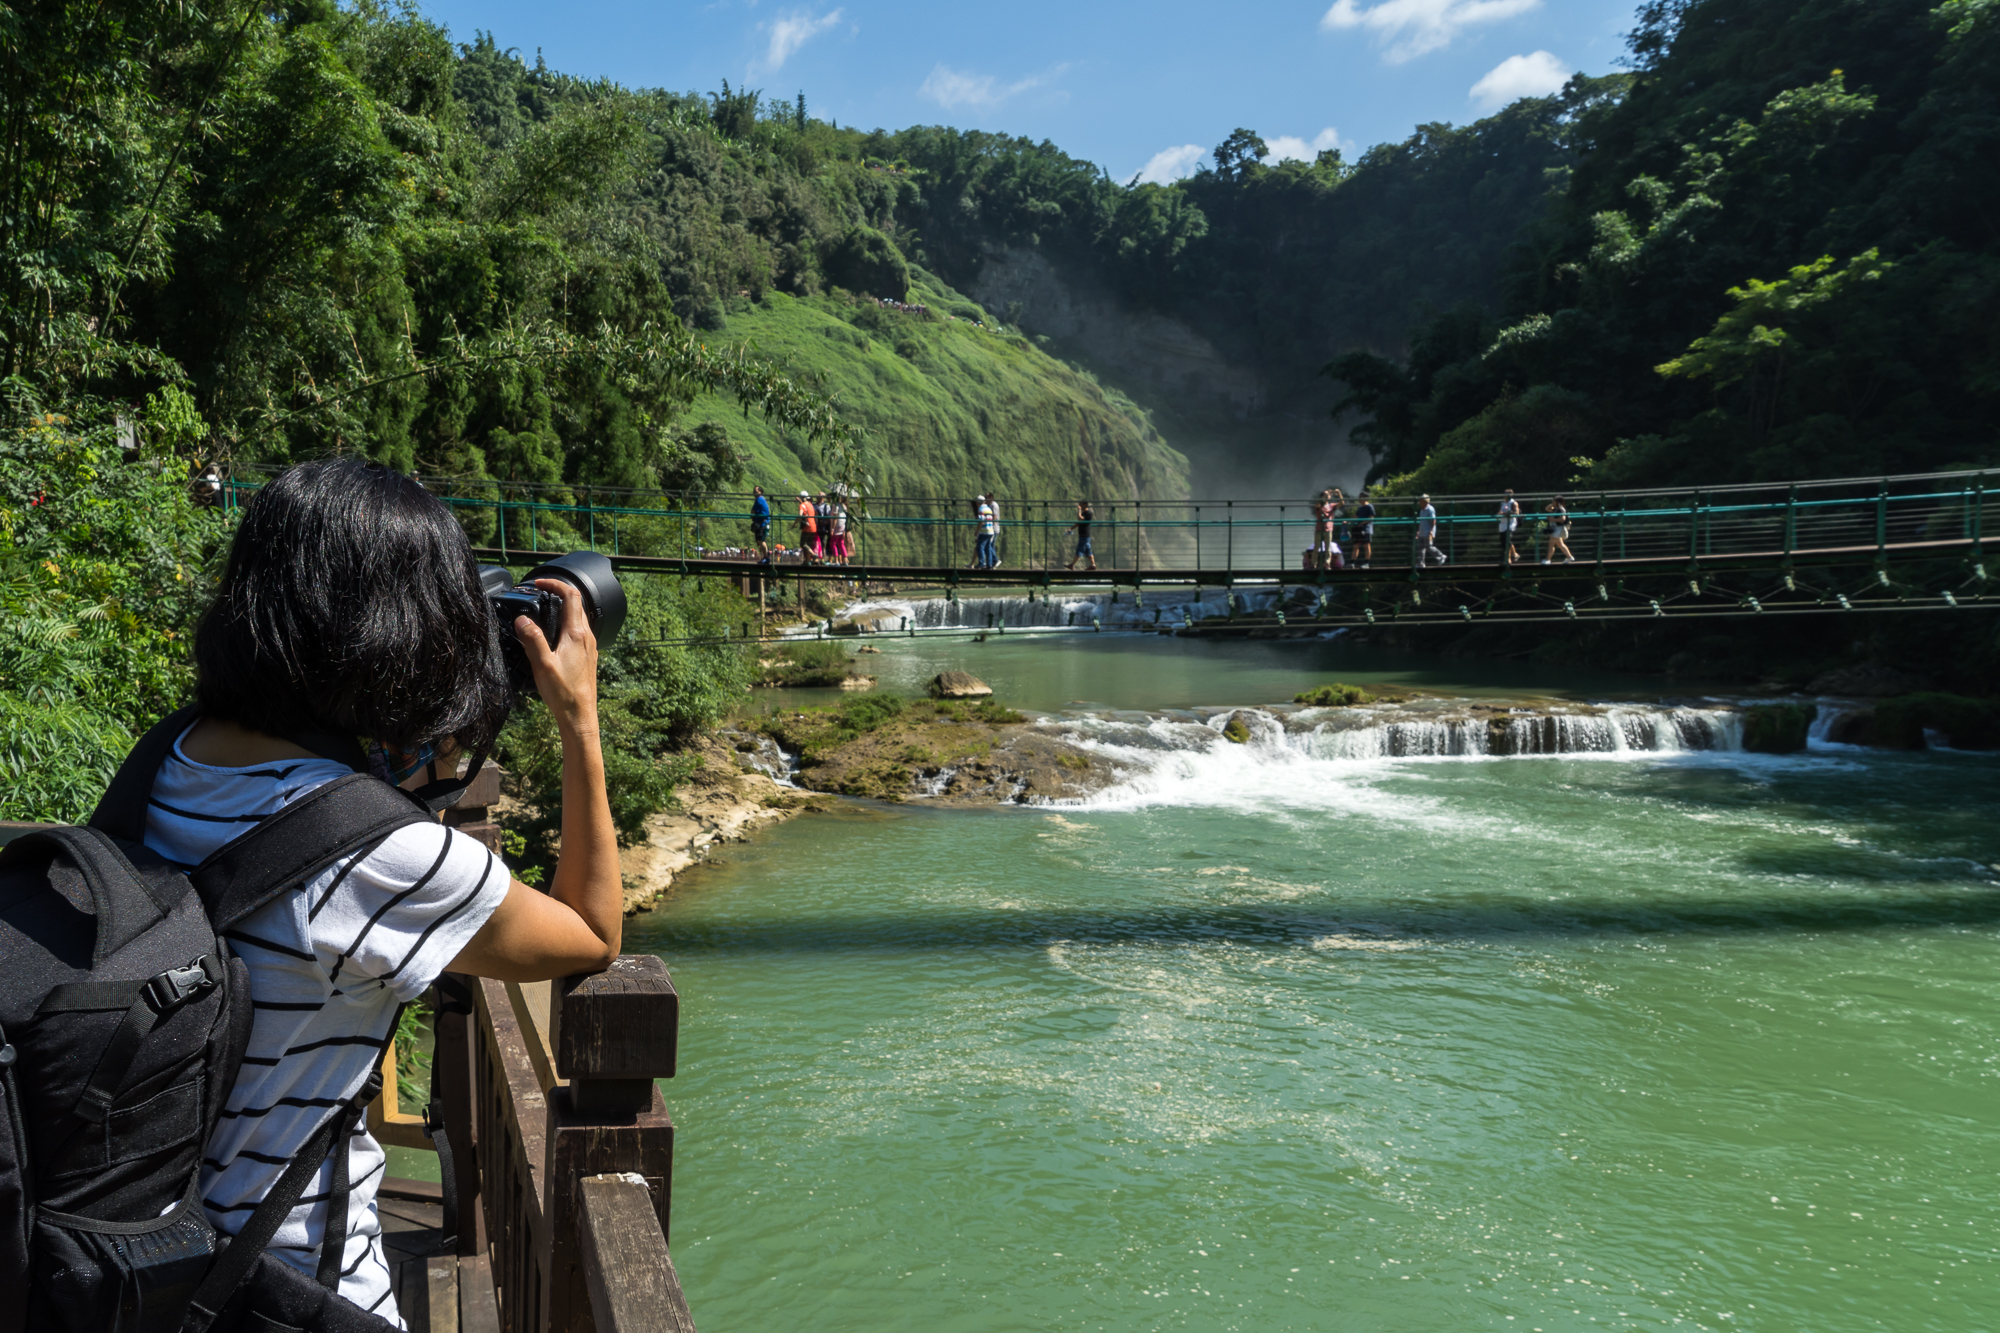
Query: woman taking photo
[(351, 609)]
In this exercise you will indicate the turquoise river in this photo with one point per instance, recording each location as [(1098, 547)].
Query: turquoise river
[(1261, 1039)]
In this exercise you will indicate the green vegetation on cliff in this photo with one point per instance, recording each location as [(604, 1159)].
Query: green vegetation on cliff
[(947, 407), (1768, 263)]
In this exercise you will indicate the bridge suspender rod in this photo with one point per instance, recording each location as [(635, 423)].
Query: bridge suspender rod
[(1882, 519)]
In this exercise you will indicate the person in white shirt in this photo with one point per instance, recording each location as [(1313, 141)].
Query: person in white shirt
[(351, 608), (1508, 518), (1427, 552)]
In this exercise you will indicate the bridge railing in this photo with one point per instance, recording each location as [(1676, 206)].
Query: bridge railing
[(1229, 535)]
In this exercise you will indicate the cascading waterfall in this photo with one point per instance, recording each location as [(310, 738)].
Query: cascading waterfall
[(1154, 607), (1215, 755)]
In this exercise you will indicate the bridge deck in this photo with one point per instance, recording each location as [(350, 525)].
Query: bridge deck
[(1380, 571)]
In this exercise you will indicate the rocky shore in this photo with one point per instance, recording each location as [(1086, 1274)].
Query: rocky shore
[(725, 801)]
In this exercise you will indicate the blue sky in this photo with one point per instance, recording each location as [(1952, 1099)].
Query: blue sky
[(1136, 88)]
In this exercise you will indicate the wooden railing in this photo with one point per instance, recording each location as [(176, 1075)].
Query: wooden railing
[(561, 1146), (561, 1151)]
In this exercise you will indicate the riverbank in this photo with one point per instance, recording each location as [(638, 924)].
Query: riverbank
[(726, 800), (800, 748)]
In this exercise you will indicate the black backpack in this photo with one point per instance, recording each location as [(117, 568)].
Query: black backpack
[(123, 1019)]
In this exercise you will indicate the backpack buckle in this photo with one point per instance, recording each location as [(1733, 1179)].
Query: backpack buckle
[(176, 986)]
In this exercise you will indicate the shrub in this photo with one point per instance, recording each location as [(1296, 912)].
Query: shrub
[(809, 663), (55, 760), (104, 564), (1334, 696), (1965, 724), (1778, 728)]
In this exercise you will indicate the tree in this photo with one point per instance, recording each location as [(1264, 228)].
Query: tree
[(1239, 153)]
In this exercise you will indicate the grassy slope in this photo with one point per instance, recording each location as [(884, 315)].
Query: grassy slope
[(945, 408)]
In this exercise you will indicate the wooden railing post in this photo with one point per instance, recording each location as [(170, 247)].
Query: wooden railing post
[(452, 1059), (614, 1033)]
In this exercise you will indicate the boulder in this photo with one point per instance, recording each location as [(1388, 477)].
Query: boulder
[(857, 683), (959, 685)]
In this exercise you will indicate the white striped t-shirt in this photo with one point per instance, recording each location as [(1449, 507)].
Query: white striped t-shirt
[(329, 964)]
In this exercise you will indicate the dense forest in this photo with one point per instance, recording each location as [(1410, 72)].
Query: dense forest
[(1776, 256)]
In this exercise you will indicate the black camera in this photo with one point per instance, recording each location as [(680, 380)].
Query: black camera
[(586, 571)]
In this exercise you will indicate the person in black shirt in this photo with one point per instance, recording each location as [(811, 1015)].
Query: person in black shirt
[(1364, 532), (1084, 515)]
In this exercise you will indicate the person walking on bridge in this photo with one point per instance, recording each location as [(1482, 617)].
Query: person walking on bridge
[(993, 503), (841, 545), (1427, 552), (760, 523), (1084, 551), (1558, 513), (1364, 532), (1508, 519), (1326, 546), (984, 556), (808, 529)]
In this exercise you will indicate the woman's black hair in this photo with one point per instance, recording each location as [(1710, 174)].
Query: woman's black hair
[(351, 605)]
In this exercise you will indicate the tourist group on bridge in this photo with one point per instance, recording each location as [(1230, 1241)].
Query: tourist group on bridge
[(1342, 537)]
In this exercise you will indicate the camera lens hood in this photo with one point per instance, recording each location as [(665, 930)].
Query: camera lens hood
[(591, 574)]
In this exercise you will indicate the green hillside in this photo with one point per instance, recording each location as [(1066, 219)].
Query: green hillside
[(948, 408)]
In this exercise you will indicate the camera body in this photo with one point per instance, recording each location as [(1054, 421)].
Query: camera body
[(586, 571)]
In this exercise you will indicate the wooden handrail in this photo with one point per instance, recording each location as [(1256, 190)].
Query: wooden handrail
[(542, 1086), (540, 1116), (631, 1278)]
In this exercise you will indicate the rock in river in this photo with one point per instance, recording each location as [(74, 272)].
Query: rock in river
[(959, 685)]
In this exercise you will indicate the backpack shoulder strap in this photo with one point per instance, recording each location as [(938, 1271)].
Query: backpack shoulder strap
[(122, 811), (290, 847)]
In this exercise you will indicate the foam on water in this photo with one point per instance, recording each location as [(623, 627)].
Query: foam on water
[(1327, 759)]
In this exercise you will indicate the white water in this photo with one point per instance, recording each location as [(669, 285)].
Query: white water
[(1123, 609), (1186, 759)]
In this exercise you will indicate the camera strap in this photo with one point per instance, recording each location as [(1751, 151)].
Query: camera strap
[(444, 793)]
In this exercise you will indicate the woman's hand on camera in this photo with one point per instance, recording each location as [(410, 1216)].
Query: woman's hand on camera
[(565, 672)]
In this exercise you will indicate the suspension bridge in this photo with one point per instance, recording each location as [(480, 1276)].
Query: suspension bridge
[(1841, 546)]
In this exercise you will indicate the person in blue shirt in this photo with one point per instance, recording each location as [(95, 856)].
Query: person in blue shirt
[(760, 524)]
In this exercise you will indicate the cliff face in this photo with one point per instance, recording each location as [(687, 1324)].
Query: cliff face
[(1140, 348), (1244, 437)]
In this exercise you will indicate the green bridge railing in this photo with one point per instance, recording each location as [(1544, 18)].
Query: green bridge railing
[(1849, 515)]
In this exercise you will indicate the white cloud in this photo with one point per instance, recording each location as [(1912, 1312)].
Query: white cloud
[(791, 32), (1416, 27), (1516, 77), (1169, 165), (954, 88), (1290, 147)]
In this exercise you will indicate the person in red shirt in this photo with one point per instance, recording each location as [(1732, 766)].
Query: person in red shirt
[(808, 528)]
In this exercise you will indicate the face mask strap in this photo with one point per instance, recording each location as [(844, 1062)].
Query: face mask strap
[(441, 795)]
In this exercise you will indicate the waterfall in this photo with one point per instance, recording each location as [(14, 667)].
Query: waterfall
[(1232, 755), (1162, 607)]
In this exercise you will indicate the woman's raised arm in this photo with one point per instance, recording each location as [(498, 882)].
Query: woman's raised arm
[(577, 925)]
